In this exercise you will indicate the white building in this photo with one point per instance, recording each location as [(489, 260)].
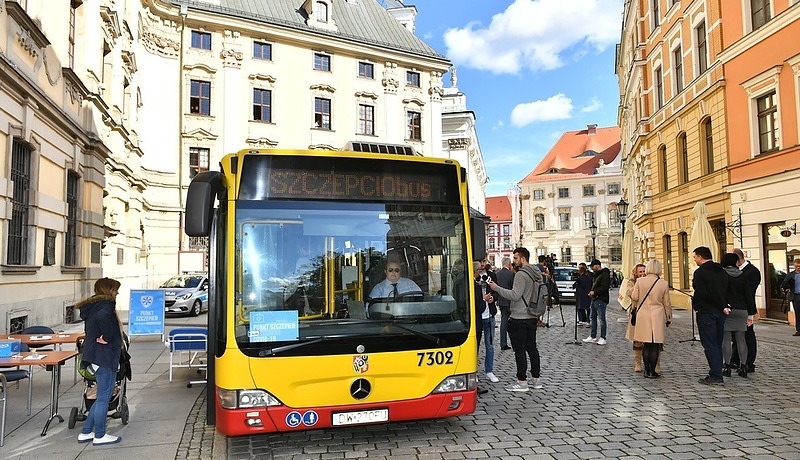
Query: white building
[(577, 184)]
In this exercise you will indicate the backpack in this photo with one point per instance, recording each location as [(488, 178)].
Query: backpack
[(538, 305)]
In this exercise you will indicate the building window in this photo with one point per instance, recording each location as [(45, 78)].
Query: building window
[(322, 62), (656, 13), (366, 70), (366, 119), (613, 188), (760, 12), (71, 238), (538, 194), (709, 145), (767, 122), (702, 47), (538, 220), (201, 40), (262, 105), (492, 244), (262, 50), (667, 258), (71, 46), (683, 248), (412, 79), (659, 82), (413, 126), (506, 243), (662, 158), (589, 218), (200, 97), (563, 192), (566, 255), (322, 113), (588, 190), (613, 218), (198, 160), (616, 254), (321, 12), (683, 159), (492, 230), (563, 220), (677, 67), (506, 230), (20, 207), (49, 247)]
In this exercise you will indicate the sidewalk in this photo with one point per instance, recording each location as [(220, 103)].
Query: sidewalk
[(166, 418)]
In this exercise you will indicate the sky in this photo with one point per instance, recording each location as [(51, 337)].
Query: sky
[(530, 69)]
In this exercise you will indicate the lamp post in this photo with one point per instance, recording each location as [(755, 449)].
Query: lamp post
[(593, 231), (622, 207)]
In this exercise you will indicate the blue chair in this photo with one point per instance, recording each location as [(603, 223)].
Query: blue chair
[(185, 344), (40, 330), (8, 375)]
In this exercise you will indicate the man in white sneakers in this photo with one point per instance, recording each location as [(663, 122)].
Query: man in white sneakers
[(600, 298)]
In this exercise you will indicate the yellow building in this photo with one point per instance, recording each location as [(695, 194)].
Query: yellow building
[(672, 118)]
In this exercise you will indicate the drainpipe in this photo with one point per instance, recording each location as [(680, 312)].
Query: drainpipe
[(183, 13)]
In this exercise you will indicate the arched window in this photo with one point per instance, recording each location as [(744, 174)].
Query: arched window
[(708, 145), (321, 12), (683, 159), (683, 248), (662, 161)]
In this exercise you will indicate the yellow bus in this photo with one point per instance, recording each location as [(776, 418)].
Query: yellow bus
[(303, 333)]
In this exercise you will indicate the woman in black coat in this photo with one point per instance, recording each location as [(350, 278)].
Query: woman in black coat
[(102, 347), (582, 287), (736, 322)]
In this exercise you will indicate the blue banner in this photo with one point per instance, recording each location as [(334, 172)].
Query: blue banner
[(146, 314)]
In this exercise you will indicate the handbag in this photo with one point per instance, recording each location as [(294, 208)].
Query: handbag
[(634, 312)]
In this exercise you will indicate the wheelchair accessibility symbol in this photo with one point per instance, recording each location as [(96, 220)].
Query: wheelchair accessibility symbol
[(308, 418)]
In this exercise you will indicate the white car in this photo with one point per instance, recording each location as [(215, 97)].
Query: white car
[(187, 293), (565, 277)]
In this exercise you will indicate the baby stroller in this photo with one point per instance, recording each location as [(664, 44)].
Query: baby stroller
[(119, 400)]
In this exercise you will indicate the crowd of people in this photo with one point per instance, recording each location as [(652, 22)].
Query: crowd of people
[(723, 300)]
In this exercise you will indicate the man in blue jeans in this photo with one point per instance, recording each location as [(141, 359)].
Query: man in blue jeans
[(710, 284), (485, 311), (599, 296)]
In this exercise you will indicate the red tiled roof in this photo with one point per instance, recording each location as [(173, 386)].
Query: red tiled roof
[(571, 154), (498, 208)]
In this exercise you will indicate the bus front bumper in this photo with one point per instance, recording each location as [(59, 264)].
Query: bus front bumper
[(241, 422)]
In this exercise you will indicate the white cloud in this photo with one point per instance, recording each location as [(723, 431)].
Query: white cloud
[(594, 106), (534, 34), (558, 107), (498, 125)]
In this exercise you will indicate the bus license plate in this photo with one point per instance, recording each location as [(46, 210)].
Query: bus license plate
[(364, 416)]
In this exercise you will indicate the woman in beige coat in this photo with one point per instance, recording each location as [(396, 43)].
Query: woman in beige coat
[(625, 300), (655, 314)]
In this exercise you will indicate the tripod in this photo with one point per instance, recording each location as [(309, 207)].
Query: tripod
[(554, 304), (691, 310), (575, 341)]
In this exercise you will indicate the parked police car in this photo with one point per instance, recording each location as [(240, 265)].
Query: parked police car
[(187, 293)]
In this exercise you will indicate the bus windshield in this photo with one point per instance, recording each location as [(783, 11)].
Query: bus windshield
[(321, 278)]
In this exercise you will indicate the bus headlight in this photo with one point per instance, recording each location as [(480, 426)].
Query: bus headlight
[(243, 399), (461, 382)]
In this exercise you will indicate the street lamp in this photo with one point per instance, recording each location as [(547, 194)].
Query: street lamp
[(622, 208), (593, 231)]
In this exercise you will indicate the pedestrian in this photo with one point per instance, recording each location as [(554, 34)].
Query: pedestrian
[(582, 286), (710, 285), (599, 294), (505, 279), (102, 348), (650, 295), (736, 323), (522, 324), (625, 300), (752, 279), (791, 287), (485, 311)]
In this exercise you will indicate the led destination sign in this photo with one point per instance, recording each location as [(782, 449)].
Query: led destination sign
[(347, 180)]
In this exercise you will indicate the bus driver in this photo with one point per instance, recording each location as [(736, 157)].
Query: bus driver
[(394, 285)]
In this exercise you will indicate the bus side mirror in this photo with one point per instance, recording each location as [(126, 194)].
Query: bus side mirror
[(478, 228), (200, 200)]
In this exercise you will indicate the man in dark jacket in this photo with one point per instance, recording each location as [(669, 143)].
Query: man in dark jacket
[(710, 284), (599, 296), (505, 279), (791, 287)]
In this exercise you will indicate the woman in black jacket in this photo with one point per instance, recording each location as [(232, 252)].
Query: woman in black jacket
[(101, 351), (736, 323)]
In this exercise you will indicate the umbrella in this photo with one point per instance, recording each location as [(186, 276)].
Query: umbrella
[(628, 256), (702, 234)]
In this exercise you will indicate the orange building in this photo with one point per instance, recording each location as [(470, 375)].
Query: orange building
[(499, 234), (761, 61)]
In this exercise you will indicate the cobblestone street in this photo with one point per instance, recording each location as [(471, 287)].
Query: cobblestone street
[(592, 406)]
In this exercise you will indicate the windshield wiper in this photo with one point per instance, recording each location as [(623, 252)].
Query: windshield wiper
[(276, 350), (431, 338)]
